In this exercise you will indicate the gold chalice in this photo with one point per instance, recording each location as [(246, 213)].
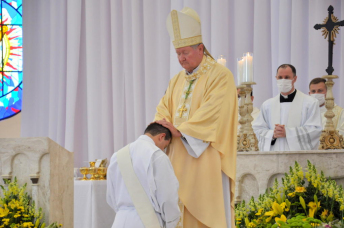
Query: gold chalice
[(84, 171), (92, 164), (93, 172), (102, 172)]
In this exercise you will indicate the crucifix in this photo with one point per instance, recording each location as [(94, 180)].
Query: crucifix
[(330, 138), (181, 110), (329, 29)]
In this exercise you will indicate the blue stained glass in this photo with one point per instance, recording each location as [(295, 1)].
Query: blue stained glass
[(11, 63)]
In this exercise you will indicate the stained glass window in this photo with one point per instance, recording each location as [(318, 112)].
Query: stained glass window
[(11, 46)]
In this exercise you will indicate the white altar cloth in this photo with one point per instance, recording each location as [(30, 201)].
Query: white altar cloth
[(90, 207)]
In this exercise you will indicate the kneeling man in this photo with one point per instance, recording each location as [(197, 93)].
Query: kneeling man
[(154, 175)]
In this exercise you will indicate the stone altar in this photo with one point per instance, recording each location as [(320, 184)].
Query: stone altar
[(256, 171), (47, 168)]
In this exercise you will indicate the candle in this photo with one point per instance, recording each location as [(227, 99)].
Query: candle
[(221, 60), (248, 67)]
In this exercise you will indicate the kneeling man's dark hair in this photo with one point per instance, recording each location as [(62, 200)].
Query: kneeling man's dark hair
[(155, 129)]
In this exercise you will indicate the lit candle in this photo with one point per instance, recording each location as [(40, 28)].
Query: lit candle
[(248, 67), (221, 60)]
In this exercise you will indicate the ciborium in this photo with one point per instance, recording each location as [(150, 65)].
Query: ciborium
[(93, 172), (84, 171), (102, 172)]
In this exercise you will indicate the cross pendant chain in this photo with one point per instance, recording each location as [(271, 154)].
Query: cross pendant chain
[(183, 108)]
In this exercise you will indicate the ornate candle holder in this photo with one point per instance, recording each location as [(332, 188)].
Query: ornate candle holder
[(241, 138), (330, 138), (247, 140)]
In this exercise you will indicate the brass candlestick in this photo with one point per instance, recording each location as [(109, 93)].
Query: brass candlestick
[(330, 138), (248, 140)]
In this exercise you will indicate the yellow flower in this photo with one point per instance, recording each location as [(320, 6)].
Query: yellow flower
[(4, 211), (251, 224), (282, 218), (291, 194), (6, 221), (27, 224), (259, 211), (270, 214), (277, 208), (330, 217), (312, 208), (300, 189)]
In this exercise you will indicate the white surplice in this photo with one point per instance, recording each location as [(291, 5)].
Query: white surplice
[(338, 119), (195, 148), (301, 118), (155, 173)]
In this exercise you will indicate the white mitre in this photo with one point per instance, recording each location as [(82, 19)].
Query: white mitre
[(184, 28)]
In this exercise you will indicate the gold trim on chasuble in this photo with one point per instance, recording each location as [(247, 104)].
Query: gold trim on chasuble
[(182, 113)]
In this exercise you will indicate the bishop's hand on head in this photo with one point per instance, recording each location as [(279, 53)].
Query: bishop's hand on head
[(168, 125)]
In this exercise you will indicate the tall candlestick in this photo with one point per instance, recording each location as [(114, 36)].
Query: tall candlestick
[(222, 60)]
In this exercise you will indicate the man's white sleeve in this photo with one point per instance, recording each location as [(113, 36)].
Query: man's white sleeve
[(306, 137), (195, 147)]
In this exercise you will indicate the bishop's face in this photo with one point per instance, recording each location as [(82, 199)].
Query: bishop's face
[(189, 58)]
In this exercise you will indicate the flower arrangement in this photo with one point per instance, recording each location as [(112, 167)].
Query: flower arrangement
[(17, 209), (317, 202)]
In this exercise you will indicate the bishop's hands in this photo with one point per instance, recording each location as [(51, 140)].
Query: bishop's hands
[(168, 125), (279, 131)]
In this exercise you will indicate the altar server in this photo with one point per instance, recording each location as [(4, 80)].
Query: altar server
[(317, 89), (155, 175), (290, 121)]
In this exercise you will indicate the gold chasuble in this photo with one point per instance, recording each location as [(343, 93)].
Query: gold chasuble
[(209, 114)]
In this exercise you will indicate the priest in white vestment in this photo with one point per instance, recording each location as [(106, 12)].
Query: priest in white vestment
[(156, 175), (318, 89), (290, 121)]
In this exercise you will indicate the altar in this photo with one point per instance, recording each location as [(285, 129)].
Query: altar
[(90, 207)]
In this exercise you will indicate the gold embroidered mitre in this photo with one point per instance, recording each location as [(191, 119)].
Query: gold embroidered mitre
[(184, 28)]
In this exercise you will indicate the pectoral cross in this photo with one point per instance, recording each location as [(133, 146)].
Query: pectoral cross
[(330, 28), (181, 110)]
